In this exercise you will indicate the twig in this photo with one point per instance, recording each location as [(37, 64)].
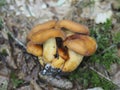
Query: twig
[(100, 74), (107, 49), (60, 83), (18, 41), (28, 9)]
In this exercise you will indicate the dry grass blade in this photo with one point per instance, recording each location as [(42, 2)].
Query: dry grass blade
[(103, 76)]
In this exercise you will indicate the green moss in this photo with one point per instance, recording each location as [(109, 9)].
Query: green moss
[(117, 37), (4, 52), (90, 79), (105, 56), (15, 81), (1, 23), (2, 2), (107, 45)]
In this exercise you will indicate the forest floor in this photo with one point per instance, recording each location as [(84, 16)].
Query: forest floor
[(20, 70)]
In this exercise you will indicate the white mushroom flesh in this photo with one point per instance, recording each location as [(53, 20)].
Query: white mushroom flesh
[(49, 50)]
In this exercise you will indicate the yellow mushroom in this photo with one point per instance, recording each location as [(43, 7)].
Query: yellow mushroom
[(58, 63), (73, 26), (45, 26), (34, 49), (41, 36), (82, 44), (49, 50), (73, 62), (70, 49)]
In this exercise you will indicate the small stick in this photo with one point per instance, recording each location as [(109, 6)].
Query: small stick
[(18, 41), (100, 74), (107, 49)]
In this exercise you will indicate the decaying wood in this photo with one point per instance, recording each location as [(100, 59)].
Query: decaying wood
[(60, 83)]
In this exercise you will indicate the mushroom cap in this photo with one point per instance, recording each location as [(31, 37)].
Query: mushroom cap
[(73, 26), (42, 36), (82, 44), (47, 25), (34, 49)]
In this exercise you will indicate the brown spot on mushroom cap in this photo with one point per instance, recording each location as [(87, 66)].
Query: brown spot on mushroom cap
[(34, 49), (63, 53), (47, 25), (72, 26), (42, 36), (61, 50), (81, 44)]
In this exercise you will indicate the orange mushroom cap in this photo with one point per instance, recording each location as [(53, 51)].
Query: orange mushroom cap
[(34, 49), (47, 25), (82, 44), (42, 36), (73, 26)]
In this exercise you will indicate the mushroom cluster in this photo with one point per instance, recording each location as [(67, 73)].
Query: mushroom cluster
[(61, 44)]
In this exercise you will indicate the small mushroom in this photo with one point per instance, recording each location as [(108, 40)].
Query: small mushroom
[(42, 36), (82, 44), (73, 62), (73, 26), (45, 26), (34, 49)]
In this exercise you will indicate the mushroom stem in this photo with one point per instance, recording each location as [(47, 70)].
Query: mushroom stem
[(73, 62), (49, 50), (58, 62)]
